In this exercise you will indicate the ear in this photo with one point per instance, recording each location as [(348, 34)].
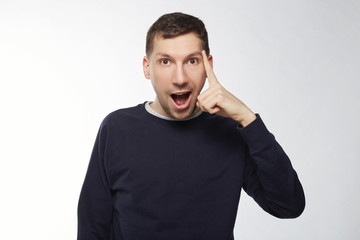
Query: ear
[(210, 58), (146, 67)]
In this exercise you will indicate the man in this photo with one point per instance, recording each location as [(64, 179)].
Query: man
[(174, 168)]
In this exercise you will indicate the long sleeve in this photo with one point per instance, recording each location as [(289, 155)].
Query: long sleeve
[(269, 176), (95, 203)]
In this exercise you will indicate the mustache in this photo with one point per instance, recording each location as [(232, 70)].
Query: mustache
[(176, 90)]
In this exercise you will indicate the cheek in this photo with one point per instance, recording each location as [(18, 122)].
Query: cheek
[(197, 75), (160, 78)]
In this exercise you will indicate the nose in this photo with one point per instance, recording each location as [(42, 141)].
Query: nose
[(180, 77)]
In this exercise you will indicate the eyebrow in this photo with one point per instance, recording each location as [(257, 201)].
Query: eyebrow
[(190, 55)]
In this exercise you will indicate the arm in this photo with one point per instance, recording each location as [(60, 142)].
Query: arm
[(95, 203), (269, 176)]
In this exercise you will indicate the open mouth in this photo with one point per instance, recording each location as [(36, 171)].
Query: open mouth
[(181, 100)]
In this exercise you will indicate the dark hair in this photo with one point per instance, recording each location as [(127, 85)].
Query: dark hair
[(175, 24)]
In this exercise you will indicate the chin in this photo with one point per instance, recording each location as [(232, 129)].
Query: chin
[(184, 115)]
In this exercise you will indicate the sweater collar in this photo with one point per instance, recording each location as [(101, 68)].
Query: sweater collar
[(156, 114)]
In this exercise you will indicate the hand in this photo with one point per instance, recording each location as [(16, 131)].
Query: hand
[(217, 100)]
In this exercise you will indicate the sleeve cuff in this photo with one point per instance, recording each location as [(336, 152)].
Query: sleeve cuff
[(254, 133)]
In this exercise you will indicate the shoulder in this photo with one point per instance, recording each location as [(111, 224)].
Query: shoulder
[(124, 116)]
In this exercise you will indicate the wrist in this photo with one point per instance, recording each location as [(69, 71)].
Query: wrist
[(246, 119)]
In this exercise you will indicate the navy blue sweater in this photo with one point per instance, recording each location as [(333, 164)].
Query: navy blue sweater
[(150, 178)]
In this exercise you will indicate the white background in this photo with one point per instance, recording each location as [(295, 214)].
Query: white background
[(64, 65)]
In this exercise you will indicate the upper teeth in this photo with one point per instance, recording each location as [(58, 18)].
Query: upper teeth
[(180, 93)]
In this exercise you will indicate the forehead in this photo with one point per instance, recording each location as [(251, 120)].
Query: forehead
[(182, 45)]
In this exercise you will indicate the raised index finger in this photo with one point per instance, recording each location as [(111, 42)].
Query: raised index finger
[(208, 69)]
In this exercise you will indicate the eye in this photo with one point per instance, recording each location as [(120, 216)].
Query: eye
[(165, 61), (193, 61)]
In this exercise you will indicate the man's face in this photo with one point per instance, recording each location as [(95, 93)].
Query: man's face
[(177, 73)]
